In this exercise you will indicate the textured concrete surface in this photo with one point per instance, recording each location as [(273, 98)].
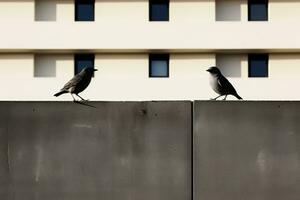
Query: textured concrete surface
[(117, 150), (142, 150), (4, 155), (246, 150)]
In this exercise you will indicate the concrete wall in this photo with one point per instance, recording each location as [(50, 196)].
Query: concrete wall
[(143, 150), (112, 151), (246, 150)]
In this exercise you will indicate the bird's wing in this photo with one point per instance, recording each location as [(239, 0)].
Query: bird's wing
[(73, 82), (226, 85)]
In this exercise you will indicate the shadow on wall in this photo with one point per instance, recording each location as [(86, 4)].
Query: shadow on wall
[(44, 66), (45, 10), (229, 10), (230, 65)]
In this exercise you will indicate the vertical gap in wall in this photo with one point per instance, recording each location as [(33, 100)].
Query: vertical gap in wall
[(192, 150)]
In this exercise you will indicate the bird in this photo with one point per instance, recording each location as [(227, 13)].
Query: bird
[(78, 83), (220, 84)]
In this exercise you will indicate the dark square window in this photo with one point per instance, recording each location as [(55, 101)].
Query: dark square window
[(159, 65), (84, 10), (83, 60), (159, 10), (258, 10), (258, 65)]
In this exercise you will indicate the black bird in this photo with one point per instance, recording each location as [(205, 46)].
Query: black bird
[(78, 83), (220, 84)]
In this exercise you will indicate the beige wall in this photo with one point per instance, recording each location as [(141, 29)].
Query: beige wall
[(284, 70), (137, 11), (15, 66), (195, 11), (124, 77), (279, 10), (284, 66), (122, 26), (53, 65), (120, 77), (284, 11), (121, 11), (65, 11), (180, 37), (18, 81), (54, 10), (12, 11)]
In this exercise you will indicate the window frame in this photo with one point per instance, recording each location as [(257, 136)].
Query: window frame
[(249, 10), (250, 61), (76, 11), (85, 55), (150, 10), (163, 57)]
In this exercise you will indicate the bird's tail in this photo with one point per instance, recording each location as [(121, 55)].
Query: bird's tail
[(238, 96), (60, 93)]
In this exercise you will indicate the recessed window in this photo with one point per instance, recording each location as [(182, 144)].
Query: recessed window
[(159, 65), (159, 10), (83, 60), (44, 65), (258, 65), (45, 10), (230, 64), (258, 10), (84, 10), (228, 10)]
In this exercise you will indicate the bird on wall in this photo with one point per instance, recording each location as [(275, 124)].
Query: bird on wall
[(78, 83), (220, 84)]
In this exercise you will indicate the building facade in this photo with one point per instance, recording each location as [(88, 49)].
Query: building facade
[(150, 50)]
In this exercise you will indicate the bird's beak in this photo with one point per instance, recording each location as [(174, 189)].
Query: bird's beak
[(95, 69), (207, 70)]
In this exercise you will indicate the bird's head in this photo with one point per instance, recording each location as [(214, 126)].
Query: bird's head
[(90, 69), (214, 70)]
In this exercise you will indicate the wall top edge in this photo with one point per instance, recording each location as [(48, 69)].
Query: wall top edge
[(131, 51)]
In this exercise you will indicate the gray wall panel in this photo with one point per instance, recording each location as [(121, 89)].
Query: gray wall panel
[(4, 155), (137, 150), (142, 150), (247, 150)]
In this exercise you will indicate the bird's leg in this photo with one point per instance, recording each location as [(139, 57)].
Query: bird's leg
[(81, 98), (73, 97), (225, 97), (216, 97)]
